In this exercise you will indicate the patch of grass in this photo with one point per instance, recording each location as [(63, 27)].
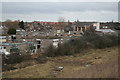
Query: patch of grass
[(74, 67), (38, 71)]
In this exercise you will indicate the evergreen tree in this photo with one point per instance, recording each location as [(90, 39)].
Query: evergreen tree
[(21, 24)]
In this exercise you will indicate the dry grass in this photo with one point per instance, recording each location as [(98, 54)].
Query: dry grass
[(105, 67), (74, 66), (102, 70)]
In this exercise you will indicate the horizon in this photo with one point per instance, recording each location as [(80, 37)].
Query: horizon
[(57, 21)]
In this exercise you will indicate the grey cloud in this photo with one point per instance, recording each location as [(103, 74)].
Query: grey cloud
[(56, 8)]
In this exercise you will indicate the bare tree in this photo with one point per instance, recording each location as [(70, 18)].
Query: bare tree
[(61, 19), (11, 24)]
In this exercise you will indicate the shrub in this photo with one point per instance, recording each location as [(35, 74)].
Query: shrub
[(102, 42), (89, 40), (14, 58), (60, 50), (26, 56), (90, 36), (50, 52), (7, 68), (12, 31), (41, 59), (114, 39), (68, 48), (78, 45)]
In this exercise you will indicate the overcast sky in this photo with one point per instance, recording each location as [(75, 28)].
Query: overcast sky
[(51, 11), (60, 0)]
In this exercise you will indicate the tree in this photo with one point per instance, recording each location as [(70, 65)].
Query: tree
[(21, 24), (68, 28), (16, 24), (61, 21), (11, 24), (12, 31)]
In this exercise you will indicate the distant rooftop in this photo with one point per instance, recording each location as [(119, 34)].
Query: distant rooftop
[(7, 44)]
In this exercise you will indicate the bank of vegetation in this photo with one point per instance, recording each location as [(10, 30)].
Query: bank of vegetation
[(89, 40)]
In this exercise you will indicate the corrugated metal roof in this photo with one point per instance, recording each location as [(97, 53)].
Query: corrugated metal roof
[(2, 36), (105, 30), (10, 44)]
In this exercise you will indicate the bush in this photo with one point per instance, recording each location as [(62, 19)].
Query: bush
[(12, 31), (89, 40), (50, 52), (14, 58), (114, 39), (41, 59), (78, 45), (26, 56), (102, 42), (7, 68), (90, 36), (68, 48), (8, 61)]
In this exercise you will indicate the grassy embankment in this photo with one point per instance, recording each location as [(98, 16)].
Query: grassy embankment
[(95, 63)]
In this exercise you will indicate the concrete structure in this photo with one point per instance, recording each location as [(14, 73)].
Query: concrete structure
[(96, 25), (55, 42), (3, 50), (83, 26), (23, 47), (105, 30)]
